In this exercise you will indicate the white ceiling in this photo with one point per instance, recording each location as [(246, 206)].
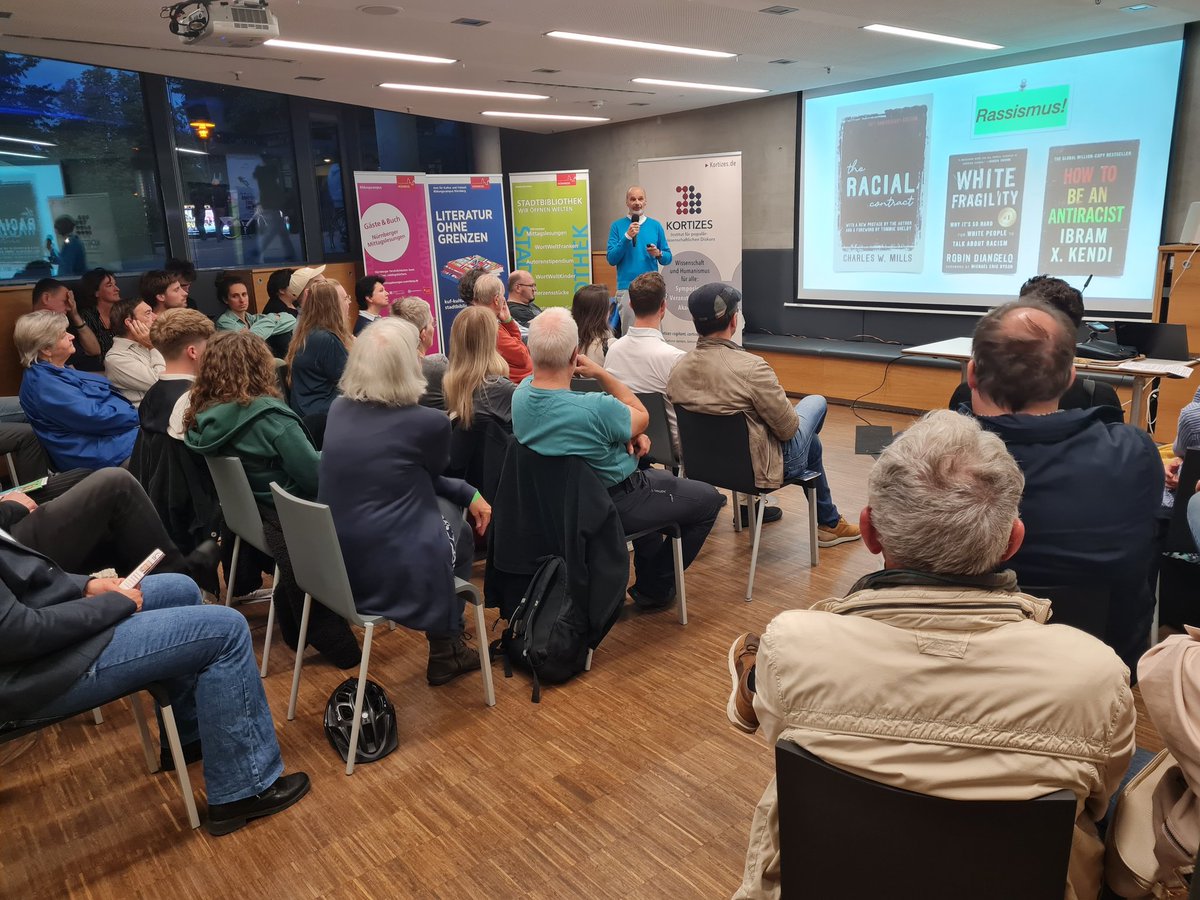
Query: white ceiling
[(824, 38)]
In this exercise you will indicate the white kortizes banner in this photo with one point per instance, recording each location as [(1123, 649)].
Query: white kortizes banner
[(698, 200)]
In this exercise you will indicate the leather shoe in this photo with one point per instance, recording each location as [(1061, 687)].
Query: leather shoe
[(224, 818), (772, 514), (202, 562), (646, 603), (191, 753)]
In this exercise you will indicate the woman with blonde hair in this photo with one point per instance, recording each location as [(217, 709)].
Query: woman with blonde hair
[(399, 519), (589, 309), (476, 381), (237, 411), (319, 348)]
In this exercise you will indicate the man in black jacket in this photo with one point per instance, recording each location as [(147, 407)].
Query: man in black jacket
[(1093, 485), (70, 642)]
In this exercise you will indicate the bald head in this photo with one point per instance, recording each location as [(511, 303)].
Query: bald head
[(635, 199), (1022, 356)]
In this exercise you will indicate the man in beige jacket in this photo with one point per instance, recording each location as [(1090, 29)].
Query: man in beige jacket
[(721, 378), (937, 675)]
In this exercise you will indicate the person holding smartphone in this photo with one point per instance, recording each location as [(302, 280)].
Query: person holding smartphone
[(637, 244)]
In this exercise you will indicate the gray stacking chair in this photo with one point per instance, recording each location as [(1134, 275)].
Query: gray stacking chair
[(321, 573), (240, 510)]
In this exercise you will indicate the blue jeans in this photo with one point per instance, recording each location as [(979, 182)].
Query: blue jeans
[(204, 657), (803, 453), (10, 410)]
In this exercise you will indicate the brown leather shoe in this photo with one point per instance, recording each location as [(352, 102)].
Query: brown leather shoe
[(449, 658), (740, 707)]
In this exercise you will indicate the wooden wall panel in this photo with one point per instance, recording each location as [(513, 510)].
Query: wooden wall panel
[(15, 301)]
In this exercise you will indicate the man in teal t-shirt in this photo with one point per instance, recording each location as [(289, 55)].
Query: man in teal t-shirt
[(608, 431)]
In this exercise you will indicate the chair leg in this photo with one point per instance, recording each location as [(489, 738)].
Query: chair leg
[(358, 699), (485, 657), (12, 469), (760, 508), (233, 561), (737, 513), (185, 783), (814, 547), (299, 656), (1154, 618), (681, 592), (270, 625), (97, 716), (587, 663), (139, 718)]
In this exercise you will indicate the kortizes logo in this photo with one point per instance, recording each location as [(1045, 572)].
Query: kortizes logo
[(1028, 110), (688, 201)]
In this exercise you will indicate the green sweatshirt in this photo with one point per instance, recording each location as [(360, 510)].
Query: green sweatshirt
[(269, 439)]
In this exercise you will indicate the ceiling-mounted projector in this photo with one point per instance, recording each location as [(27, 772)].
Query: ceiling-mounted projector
[(233, 23)]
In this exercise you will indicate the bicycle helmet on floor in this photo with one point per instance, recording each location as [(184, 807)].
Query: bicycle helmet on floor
[(377, 735)]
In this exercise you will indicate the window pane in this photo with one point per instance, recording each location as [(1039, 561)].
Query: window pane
[(234, 149), (331, 199), (78, 187)]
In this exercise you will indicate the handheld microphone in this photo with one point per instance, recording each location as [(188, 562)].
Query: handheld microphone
[(634, 217)]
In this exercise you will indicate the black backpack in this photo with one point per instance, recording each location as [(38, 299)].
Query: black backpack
[(547, 634)]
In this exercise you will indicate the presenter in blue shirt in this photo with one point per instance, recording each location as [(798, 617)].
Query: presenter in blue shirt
[(637, 244)]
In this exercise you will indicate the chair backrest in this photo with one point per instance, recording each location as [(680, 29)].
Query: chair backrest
[(1081, 606), (662, 451), (848, 837), (1179, 535), (716, 449), (316, 555), (238, 505), (586, 385)]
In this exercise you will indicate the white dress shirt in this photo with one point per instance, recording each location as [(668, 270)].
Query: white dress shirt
[(642, 360)]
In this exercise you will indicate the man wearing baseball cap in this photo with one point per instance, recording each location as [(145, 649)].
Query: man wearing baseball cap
[(302, 280), (721, 378)]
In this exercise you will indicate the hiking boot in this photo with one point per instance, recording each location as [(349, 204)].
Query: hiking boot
[(832, 535), (740, 707), (449, 658)]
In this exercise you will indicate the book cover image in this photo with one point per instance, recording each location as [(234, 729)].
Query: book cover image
[(457, 268), (984, 193), (882, 161), (1085, 217)]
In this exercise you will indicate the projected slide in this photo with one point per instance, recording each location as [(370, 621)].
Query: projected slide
[(947, 193)]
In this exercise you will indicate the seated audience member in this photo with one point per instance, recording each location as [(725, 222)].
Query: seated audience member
[(489, 293), (1168, 677), (399, 519), (1083, 392), (53, 296), (1187, 437), (162, 291), (104, 521), (132, 365), (71, 642), (433, 365), (176, 480), (607, 431), (476, 381), (976, 696), (319, 349), (77, 416), (279, 298), (466, 285), (185, 272), (1093, 485), (234, 293), (522, 288), (372, 297), (98, 294), (589, 309), (236, 410), (719, 377), (300, 285), (642, 359)]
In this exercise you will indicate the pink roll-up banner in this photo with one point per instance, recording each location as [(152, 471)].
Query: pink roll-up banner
[(393, 221)]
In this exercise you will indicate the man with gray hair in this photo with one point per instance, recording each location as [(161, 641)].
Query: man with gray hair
[(607, 430), (489, 292), (936, 674), (1093, 485)]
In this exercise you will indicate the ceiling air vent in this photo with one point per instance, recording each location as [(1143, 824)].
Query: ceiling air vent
[(310, 78), (779, 10), (781, 62), (547, 71), (474, 23)]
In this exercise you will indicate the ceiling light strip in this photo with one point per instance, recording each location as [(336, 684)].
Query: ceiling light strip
[(356, 51), (27, 141), (469, 92), (638, 45), (547, 116), (930, 36), (700, 86)]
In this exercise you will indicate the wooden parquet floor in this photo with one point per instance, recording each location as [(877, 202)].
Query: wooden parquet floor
[(626, 783)]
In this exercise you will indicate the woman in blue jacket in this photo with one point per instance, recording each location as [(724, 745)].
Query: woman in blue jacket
[(77, 416)]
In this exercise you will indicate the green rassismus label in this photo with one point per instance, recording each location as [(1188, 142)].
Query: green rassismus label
[(1029, 110)]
